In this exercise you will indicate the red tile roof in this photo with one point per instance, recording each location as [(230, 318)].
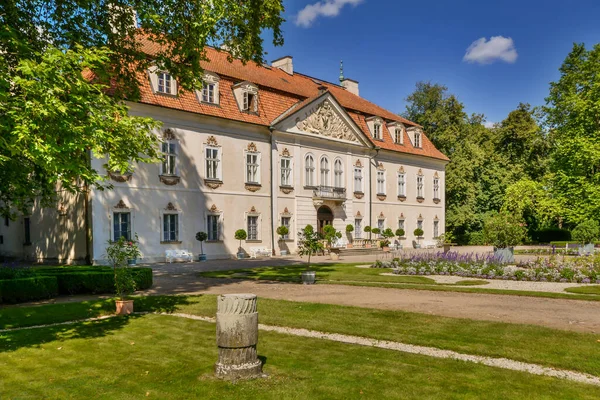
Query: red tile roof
[(279, 91)]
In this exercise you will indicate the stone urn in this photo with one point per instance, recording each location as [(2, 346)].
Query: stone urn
[(240, 255), (335, 254), (124, 307), (309, 277)]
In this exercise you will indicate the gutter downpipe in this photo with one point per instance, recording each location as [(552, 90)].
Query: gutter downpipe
[(273, 211)]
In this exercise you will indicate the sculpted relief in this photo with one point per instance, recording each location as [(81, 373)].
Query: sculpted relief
[(323, 120)]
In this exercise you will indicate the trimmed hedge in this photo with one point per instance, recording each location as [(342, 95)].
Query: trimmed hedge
[(94, 280), (28, 289), (548, 235), (564, 243)]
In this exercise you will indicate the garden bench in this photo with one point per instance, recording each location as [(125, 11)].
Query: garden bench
[(170, 255), (260, 251)]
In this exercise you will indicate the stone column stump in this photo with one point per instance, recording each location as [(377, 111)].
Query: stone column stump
[(237, 336)]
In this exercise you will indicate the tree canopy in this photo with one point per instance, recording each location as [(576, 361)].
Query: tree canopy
[(54, 119)]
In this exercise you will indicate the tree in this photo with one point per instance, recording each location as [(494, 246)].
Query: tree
[(504, 230), (240, 235), (201, 237), (330, 234), (571, 117), (54, 118), (586, 232), (309, 243)]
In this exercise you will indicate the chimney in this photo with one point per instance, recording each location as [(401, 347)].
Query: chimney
[(285, 64), (322, 89), (350, 85)]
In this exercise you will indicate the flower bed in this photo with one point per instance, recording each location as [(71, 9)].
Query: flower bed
[(580, 269)]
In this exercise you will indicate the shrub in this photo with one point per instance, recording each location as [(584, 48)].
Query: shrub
[(201, 237), (376, 231), (349, 228), (388, 233), (14, 271), (476, 238), (504, 230), (547, 235), (95, 281), (28, 289), (400, 233), (418, 232), (330, 234), (586, 232), (282, 231)]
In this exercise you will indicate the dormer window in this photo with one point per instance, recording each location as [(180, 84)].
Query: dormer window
[(164, 82), (377, 131), (398, 136), (249, 102), (210, 89), (417, 140), (246, 95)]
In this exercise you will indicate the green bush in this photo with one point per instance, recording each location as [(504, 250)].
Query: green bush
[(28, 289), (548, 235), (74, 280), (586, 232), (504, 230), (476, 238)]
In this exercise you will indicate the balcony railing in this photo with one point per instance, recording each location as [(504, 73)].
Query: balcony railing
[(329, 193)]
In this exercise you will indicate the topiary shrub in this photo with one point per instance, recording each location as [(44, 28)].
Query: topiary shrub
[(586, 232), (28, 289), (418, 232), (96, 280)]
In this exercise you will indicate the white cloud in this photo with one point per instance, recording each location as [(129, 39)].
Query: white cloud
[(325, 8), (489, 124), (483, 51)]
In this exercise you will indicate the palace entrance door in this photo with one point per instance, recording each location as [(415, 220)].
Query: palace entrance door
[(324, 217)]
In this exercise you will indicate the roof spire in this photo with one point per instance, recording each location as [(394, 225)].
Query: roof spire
[(341, 70)]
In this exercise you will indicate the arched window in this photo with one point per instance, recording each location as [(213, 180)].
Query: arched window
[(309, 169), (338, 172), (324, 171)]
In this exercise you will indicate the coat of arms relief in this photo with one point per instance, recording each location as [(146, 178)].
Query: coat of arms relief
[(323, 120)]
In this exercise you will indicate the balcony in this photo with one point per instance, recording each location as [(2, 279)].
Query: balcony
[(329, 193)]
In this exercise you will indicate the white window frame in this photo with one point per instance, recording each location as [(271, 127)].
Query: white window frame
[(436, 188), (248, 166), (219, 217), (377, 131), (164, 232), (381, 225), (381, 184), (417, 139), (401, 184), (399, 139), (420, 186), (164, 79), (258, 237), (219, 161), (420, 224), (401, 224), (171, 160), (436, 229), (358, 179), (338, 173), (324, 171), (112, 223), (289, 225), (309, 171), (208, 92), (358, 228), (249, 101), (286, 174)]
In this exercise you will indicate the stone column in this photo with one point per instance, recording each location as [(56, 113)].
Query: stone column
[(237, 336)]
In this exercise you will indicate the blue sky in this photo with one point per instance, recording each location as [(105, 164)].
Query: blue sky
[(390, 45)]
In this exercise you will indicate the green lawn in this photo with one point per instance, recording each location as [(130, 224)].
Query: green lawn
[(162, 357), (350, 274), (528, 343), (594, 289)]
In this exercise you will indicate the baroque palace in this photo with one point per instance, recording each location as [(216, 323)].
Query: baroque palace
[(257, 148)]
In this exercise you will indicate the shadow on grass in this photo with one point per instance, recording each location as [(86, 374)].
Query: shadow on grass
[(290, 273)]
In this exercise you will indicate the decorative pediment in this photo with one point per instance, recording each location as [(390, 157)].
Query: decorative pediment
[(253, 209), (285, 152), (436, 175), (401, 169), (214, 208), (420, 173), (380, 167), (121, 204), (401, 216), (322, 119), (436, 218), (252, 147), (358, 163), (286, 212), (168, 134), (420, 217), (381, 216), (171, 207), (212, 141), (358, 214)]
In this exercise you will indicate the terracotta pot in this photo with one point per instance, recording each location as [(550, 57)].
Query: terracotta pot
[(124, 307), (349, 245)]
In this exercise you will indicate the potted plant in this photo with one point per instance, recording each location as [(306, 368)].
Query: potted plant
[(330, 235), (418, 234), (349, 230), (118, 252), (133, 250), (504, 231), (387, 235), (376, 232), (367, 229), (282, 231), (586, 233), (309, 243), (201, 237), (240, 235)]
